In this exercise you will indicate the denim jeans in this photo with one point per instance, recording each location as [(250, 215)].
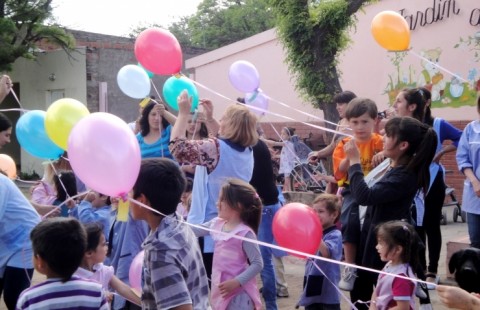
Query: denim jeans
[(473, 222), (265, 234)]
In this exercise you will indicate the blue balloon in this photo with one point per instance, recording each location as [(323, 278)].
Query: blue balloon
[(31, 135), (173, 88)]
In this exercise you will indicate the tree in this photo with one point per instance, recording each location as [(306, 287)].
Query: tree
[(23, 24), (313, 33)]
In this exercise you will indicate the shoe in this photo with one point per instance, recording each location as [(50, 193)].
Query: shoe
[(420, 291), (432, 278), (425, 307), (349, 275), (283, 294)]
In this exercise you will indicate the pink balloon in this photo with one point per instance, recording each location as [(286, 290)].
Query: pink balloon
[(259, 100), (244, 76), (158, 51), (104, 153), (135, 272)]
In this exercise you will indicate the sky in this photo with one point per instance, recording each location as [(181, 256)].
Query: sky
[(119, 17)]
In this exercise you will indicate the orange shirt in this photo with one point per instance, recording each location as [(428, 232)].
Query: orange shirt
[(367, 150)]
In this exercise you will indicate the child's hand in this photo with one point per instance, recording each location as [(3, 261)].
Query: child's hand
[(228, 286), (207, 108), (377, 159), (351, 151), (90, 196)]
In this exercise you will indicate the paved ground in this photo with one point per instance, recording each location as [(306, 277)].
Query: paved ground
[(295, 268)]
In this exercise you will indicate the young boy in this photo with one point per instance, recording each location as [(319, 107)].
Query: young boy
[(94, 208), (361, 115), (318, 292), (174, 274), (58, 247)]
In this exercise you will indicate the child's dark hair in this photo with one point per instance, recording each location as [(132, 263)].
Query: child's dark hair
[(144, 125), (478, 104), (290, 131), (94, 232), (242, 197), (61, 243), (344, 97), (188, 185), (422, 143), (332, 203), (359, 106), (5, 122), (162, 182), (400, 233), (67, 178), (416, 96)]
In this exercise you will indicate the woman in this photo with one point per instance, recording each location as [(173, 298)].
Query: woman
[(17, 219), (155, 127), (229, 156), (468, 160), (416, 103)]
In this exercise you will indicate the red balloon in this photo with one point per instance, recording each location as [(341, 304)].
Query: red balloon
[(296, 226), (158, 51)]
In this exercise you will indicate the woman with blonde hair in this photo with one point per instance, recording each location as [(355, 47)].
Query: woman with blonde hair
[(228, 156)]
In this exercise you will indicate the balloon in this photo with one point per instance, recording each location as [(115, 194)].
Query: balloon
[(159, 51), (296, 226), (391, 31), (31, 135), (7, 165), (133, 81), (174, 86), (257, 99), (135, 272), (61, 116), (104, 154), (244, 76), (150, 74)]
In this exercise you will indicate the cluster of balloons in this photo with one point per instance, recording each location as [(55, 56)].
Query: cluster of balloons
[(296, 226), (102, 149), (391, 31), (245, 78)]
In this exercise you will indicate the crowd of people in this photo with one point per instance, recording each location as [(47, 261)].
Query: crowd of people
[(206, 192)]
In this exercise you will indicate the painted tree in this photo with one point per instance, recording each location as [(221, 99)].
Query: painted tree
[(313, 33), (25, 23)]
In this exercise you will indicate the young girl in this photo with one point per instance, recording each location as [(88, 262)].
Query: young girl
[(235, 262), (410, 145), (65, 187), (92, 267), (318, 292), (397, 245)]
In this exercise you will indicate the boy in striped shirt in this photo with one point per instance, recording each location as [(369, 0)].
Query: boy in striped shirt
[(58, 247)]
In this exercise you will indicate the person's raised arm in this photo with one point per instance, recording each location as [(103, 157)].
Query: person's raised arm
[(5, 86), (184, 106), (210, 122), (171, 119)]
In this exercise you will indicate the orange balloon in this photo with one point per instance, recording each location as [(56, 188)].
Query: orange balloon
[(391, 31), (7, 165)]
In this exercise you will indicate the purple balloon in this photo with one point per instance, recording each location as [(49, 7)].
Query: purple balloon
[(259, 100), (244, 76), (104, 154), (135, 272)]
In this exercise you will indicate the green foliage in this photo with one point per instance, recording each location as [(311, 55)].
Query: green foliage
[(313, 33), (23, 24)]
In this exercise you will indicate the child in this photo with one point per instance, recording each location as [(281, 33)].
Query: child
[(95, 208), (410, 145), (361, 115), (92, 267), (65, 187), (397, 245), (174, 275), (319, 290), (235, 262), (58, 247), (185, 200)]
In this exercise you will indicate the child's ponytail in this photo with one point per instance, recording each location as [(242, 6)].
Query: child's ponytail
[(423, 156)]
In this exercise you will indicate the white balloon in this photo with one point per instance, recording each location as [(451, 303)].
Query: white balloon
[(133, 81)]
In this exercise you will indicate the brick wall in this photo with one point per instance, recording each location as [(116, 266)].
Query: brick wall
[(453, 177)]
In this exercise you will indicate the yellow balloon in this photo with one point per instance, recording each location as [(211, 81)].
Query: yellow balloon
[(8, 166), (391, 31), (61, 116)]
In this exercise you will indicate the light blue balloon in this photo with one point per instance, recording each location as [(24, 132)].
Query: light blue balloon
[(174, 86), (31, 135), (133, 81)]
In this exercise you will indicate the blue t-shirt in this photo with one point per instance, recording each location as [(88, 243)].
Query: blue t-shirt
[(157, 149)]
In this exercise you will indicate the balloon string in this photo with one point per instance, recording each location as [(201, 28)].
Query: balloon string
[(437, 65), (273, 246), (10, 110), (59, 179), (156, 90), (16, 98), (65, 202), (334, 285), (272, 113)]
